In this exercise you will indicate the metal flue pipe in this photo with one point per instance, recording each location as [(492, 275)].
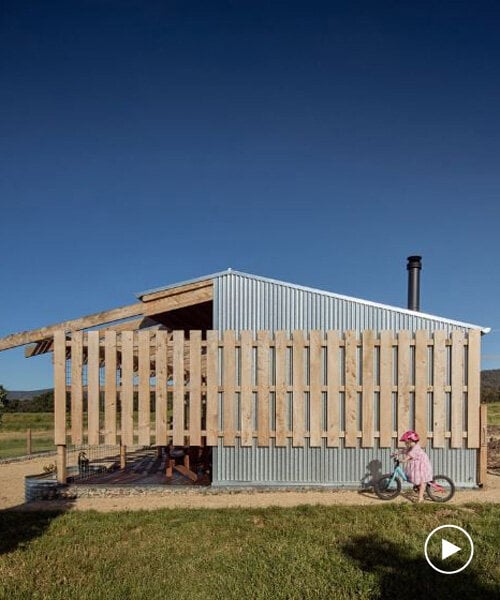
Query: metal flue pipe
[(414, 267)]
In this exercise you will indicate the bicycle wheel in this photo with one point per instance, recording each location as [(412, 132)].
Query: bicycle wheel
[(440, 489), (386, 488)]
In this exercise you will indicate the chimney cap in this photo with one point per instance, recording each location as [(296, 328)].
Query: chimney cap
[(414, 262)]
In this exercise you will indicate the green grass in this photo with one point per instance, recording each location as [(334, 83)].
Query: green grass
[(494, 413), (23, 421), (296, 553), (10, 448), (18, 423)]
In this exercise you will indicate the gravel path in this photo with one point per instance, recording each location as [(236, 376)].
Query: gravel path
[(12, 495)]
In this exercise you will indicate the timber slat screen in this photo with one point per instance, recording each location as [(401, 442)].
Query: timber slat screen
[(156, 387)]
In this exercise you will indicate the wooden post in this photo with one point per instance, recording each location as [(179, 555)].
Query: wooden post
[(144, 350), (178, 388), (60, 403), (161, 389), (483, 450), (59, 388), (62, 475), (28, 442), (123, 456)]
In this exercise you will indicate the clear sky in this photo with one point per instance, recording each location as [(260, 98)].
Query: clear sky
[(148, 142)]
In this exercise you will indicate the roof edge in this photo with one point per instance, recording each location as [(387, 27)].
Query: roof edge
[(186, 282), (484, 330)]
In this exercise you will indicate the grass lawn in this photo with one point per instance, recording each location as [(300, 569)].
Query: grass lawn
[(17, 446), (22, 421), (13, 433), (293, 553), (494, 413)]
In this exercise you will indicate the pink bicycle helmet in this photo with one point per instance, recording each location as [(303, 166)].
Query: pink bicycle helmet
[(409, 436)]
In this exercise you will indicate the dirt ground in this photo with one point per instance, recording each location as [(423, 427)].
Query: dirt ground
[(12, 495)]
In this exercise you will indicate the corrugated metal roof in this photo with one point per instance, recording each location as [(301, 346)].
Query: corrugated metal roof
[(355, 301)]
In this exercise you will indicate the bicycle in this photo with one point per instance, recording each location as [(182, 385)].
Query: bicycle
[(388, 486)]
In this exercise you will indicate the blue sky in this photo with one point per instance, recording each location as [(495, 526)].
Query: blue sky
[(144, 143)]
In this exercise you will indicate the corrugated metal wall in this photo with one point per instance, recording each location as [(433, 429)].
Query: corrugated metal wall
[(329, 467), (245, 302)]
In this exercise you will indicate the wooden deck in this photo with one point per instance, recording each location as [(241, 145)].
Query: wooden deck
[(144, 467)]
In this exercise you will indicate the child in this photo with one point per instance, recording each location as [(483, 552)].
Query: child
[(418, 466)]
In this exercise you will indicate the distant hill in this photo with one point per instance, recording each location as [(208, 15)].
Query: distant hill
[(490, 385), (491, 378), (25, 395)]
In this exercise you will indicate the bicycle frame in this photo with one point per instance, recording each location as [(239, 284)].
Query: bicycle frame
[(398, 473)]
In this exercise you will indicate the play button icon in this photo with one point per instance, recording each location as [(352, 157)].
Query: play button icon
[(448, 549), (446, 554)]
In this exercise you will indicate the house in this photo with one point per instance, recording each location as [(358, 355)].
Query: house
[(289, 385)]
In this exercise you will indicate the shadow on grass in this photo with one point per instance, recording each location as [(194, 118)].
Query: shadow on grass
[(399, 573), (19, 525)]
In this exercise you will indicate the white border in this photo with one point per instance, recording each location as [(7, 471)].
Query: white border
[(451, 527)]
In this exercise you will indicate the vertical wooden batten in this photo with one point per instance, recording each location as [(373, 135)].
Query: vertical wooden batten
[(161, 388), (473, 389), (263, 387), (127, 389), (76, 388), (421, 384), (110, 387), (144, 405), (368, 387), (178, 405), (229, 381), (60, 403), (333, 388), (439, 382), (93, 387), (457, 388), (386, 376), (246, 396), (351, 394), (483, 449), (298, 388), (281, 394), (315, 382), (403, 410), (212, 388), (195, 388)]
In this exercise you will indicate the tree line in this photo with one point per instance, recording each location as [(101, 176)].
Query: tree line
[(41, 403), (490, 385)]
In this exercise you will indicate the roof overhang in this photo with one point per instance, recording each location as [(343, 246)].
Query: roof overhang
[(149, 312)]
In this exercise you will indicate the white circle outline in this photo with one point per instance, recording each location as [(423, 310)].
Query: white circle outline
[(471, 549)]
